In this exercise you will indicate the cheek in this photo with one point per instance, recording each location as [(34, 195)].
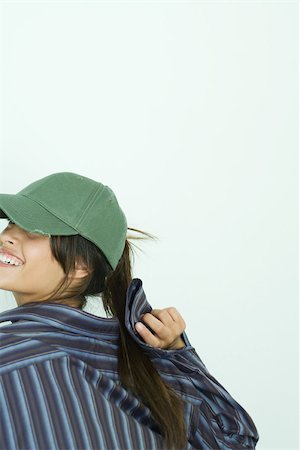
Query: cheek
[(43, 273), (40, 260)]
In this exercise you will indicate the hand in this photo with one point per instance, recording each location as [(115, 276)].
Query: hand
[(167, 325)]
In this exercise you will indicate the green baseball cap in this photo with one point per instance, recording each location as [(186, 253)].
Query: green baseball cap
[(67, 203)]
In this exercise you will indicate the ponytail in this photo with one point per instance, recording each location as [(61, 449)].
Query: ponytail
[(135, 369)]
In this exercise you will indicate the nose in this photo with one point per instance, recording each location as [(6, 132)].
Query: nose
[(6, 234)]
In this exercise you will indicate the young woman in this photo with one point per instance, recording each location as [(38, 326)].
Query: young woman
[(71, 380)]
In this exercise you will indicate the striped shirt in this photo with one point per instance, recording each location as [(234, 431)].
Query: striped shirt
[(60, 390)]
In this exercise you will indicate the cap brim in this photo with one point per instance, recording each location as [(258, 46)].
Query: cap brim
[(31, 216)]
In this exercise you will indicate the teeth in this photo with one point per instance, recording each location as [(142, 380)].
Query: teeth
[(10, 261)]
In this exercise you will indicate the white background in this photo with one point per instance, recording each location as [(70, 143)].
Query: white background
[(188, 111)]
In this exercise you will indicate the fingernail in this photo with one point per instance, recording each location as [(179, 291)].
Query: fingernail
[(139, 326)]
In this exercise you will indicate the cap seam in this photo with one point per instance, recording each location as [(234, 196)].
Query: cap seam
[(90, 201)]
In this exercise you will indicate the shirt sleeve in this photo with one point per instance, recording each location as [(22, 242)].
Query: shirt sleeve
[(217, 421)]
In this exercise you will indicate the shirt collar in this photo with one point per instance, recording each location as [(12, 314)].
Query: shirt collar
[(74, 320)]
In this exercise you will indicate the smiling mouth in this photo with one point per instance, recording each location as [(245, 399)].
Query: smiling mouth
[(2, 264)]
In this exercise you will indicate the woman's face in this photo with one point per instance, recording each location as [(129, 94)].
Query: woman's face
[(40, 273)]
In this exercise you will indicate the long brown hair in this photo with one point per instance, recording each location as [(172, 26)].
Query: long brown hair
[(136, 371)]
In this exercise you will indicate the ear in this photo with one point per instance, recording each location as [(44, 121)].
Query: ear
[(81, 271)]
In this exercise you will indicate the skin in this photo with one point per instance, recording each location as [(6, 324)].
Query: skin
[(34, 249), (167, 324), (40, 274)]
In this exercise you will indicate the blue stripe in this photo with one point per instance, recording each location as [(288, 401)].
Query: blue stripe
[(60, 388)]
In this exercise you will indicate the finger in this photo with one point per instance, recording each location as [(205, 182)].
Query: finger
[(157, 325), (146, 334), (163, 315), (176, 316), (171, 318)]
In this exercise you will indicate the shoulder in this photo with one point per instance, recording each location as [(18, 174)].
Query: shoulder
[(20, 351)]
